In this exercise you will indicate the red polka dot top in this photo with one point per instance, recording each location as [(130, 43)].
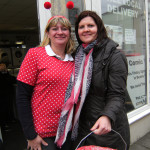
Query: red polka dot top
[(50, 77)]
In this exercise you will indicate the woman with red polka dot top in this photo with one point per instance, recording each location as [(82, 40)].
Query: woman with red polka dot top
[(42, 82)]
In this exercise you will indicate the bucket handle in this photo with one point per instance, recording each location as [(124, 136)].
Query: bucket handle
[(93, 132)]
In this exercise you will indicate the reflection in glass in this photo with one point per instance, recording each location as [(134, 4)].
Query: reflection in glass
[(149, 38), (125, 23)]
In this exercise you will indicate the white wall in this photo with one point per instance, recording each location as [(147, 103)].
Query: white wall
[(43, 16), (139, 128)]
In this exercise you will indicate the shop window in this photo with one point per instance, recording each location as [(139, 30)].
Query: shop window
[(125, 23), (149, 41), (18, 32)]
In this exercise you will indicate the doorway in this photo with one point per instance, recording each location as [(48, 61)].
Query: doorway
[(19, 31)]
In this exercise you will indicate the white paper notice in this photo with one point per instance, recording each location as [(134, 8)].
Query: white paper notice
[(136, 80), (130, 36)]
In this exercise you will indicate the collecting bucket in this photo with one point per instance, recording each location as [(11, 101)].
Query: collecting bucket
[(93, 147)]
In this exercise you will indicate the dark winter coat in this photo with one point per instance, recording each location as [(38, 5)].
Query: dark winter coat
[(106, 97)]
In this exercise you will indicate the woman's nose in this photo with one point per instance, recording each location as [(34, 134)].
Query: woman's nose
[(60, 31), (86, 29)]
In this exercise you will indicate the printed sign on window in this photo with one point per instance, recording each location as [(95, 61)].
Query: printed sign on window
[(130, 36), (136, 80), (115, 33)]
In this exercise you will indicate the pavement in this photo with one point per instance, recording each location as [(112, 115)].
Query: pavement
[(142, 144), (14, 139)]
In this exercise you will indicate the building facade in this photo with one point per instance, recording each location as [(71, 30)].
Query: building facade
[(127, 23)]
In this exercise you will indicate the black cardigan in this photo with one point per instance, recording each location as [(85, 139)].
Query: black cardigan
[(23, 101)]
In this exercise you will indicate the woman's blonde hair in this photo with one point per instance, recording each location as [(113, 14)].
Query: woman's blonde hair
[(66, 23)]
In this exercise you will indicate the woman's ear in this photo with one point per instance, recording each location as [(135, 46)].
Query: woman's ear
[(47, 34)]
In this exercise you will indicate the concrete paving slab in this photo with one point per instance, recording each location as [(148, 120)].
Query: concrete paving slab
[(142, 144)]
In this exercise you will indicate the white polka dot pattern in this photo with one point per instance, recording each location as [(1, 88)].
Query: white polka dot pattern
[(50, 77)]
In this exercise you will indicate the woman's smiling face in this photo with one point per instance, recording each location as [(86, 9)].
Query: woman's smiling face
[(59, 34), (87, 30)]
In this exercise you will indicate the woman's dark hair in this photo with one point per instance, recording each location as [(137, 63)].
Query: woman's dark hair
[(102, 33)]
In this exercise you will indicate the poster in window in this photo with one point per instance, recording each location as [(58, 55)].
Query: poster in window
[(130, 36), (136, 80), (115, 33)]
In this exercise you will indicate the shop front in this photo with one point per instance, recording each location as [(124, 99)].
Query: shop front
[(127, 22)]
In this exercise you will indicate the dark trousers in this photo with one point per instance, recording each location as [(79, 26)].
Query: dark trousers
[(53, 146)]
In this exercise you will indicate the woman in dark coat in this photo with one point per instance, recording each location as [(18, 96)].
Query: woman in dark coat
[(103, 110)]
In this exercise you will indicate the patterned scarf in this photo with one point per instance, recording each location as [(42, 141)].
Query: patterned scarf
[(76, 93)]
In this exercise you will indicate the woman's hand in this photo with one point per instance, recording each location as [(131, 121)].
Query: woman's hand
[(102, 125), (35, 144)]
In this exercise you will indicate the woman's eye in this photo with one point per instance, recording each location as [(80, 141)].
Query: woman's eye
[(54, 28), (90, 25), (64, 29), (81, 27)]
